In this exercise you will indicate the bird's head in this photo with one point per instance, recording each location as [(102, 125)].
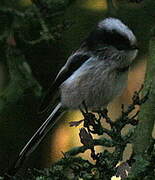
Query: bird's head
[(111, 32)]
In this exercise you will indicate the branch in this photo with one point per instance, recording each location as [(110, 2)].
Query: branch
[(143, 133), (147, 114), (112, 9), (97, 142)]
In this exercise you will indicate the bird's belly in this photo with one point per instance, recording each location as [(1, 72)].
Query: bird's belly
[(95, 87)]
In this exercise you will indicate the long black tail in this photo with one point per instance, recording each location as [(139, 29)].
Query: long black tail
[(36, 139)]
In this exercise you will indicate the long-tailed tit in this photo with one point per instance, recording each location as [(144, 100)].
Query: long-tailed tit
[(94, 74)]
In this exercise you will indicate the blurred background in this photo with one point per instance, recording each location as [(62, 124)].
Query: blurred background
[(36, 37)]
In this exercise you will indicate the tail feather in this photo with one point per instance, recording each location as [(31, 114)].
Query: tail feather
[(39, 135)]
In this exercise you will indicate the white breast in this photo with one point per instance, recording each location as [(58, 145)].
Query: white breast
[(93, 83)]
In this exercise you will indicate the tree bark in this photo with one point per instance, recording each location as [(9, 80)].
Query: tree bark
[(143, 133)]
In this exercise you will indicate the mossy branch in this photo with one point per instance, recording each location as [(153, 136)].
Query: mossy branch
[(97, 142), (143, 132), (147, 114)]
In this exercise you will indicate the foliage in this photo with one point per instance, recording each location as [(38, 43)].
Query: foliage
[(18, 21), (105, 163), (23, 28)]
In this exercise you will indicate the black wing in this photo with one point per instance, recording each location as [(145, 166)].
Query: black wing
[(72, 64)]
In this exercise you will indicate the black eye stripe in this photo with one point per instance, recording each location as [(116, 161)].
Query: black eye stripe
[(106, 37)]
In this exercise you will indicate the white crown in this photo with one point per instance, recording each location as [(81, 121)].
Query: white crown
[(115, 24)]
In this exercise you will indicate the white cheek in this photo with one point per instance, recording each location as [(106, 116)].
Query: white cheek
[(132, 54)]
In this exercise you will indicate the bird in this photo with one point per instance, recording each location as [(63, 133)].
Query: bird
[(93, 76)]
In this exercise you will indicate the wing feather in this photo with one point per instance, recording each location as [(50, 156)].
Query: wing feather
[(72, 64)]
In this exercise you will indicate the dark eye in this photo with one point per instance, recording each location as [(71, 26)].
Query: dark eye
[(119, 41)]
